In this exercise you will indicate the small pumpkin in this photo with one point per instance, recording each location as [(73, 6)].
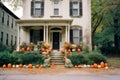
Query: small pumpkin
[(22, 49), (28, 49), (20, 65), (4, 66), (76, 66), (52, 64), (30, 66), (78, 50), (41, 66), (106, 64), (9, 65), (37, 66)]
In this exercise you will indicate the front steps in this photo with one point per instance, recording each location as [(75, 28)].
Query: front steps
[(57, 57)]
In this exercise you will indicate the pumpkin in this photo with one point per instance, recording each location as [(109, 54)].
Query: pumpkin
[(79, 66), (30, 66), (106, 64), (20, 65), (65, 58), (102, 64), (49, 50), (69, 50), (95, 65), (76, 66), (62, 51), (43, 49), (47, 45), (4, 66), (52, 64), (9, 65), (22, 49), (37, 66), (73, 46), (78, 50), (28, 49), (41, 66), (13, 66)]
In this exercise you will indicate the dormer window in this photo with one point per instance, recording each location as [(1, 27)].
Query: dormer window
[(37, 8), (75, 7)]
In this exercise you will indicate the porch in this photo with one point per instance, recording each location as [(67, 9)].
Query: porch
[(55, 32)]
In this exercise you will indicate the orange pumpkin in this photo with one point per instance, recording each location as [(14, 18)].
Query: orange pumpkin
[(4, 66), (22, 49), (41, 66), (30, 66), (20, 65), (43, 49), (49, 50), (106, 64), (102, 64), (9, 65), (52, 64), (95, 65), (62, 51), (73, 46), (28, 49), (76, 66), (78, 50), (37, 66)]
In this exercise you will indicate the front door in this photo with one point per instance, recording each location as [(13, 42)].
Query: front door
[(56, 40)]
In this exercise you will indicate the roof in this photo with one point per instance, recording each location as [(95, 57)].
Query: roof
[(7, 10)]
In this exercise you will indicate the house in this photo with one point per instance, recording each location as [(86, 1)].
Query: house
[(8, 27), (55, 22)]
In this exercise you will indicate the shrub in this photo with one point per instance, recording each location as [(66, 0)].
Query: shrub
[(78, 58), (4, 58), (96, 57)]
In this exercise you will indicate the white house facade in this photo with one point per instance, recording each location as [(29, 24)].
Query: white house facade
[(55, 22), (8, 27)]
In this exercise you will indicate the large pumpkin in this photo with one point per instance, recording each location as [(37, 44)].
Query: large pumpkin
[(102, 64), (73, 46), (95, 65), (9, 65), (37, 66)]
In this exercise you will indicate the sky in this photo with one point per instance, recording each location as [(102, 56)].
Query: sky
[(17, 12)]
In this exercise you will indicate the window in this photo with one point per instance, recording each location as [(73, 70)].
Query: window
[(15, 40), (76, 8), (7, 20), (56, 8), (2, 17), (7, 39), (1, 37), (37, 8), (75, 36)]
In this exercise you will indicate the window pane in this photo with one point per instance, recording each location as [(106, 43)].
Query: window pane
[(76, 40), (37, 12), (75, 5), (75, 33), (37, 5), (75, 12), (56, 11)]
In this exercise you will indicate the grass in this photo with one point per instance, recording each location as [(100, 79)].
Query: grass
[(114, 62)]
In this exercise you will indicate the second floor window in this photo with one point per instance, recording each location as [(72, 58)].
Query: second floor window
[(2, 17), (56, 8), (76, 8), (37, 8), (8, 20)]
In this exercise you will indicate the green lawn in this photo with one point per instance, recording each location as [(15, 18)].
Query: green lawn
[(114, 62)]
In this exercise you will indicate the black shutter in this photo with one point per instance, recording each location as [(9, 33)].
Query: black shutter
[(80, 35), (71, 36), (80, 7), (42, 8), (32, 8), (31, 35), (70, 8)]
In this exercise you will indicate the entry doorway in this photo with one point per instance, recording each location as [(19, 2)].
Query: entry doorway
[(56, 40)]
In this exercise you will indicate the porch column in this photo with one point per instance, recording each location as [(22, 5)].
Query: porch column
[(68, 33), (18, 39), (44, 33), (47, 33)]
